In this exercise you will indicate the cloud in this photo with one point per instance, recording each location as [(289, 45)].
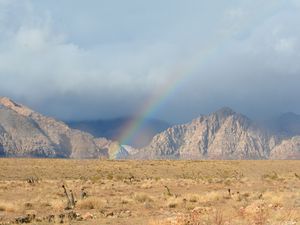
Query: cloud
[(257, 74), (101, 60), (38, 63)]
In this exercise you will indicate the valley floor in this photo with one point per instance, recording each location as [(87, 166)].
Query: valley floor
[(150, 192)]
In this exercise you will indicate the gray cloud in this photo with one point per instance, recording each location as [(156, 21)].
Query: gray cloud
[(78, 60)]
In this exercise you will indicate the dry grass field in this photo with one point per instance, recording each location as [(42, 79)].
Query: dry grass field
[(150, 192)]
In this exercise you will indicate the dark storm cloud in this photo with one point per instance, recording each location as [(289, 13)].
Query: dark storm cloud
[(96, 59)]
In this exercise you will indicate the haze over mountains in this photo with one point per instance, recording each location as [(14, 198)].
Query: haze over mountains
[(287, 124), (113, 128), (224, 134)]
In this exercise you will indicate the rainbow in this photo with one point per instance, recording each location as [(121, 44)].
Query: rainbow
[(180, 74), (162, 93)]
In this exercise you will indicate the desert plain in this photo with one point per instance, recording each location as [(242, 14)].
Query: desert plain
[(149, 192)]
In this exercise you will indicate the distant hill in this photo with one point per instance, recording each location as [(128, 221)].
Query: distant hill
[(113, 128), (287, 124)]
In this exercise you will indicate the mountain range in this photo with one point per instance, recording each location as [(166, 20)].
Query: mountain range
[(224, 134)]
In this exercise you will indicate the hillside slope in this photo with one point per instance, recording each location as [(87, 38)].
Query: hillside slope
[(25, 133)]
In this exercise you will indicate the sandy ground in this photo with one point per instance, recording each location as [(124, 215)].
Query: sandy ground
[(150, 192)]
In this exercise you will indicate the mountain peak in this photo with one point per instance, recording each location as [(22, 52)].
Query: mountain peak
[(224, 134), (224, 112), (20, 109), (7, 102)]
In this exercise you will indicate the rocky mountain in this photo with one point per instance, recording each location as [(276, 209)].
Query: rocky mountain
[(224, 134), (113, 128), (25, 133)]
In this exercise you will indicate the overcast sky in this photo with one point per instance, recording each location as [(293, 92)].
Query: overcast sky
[(75, 59)]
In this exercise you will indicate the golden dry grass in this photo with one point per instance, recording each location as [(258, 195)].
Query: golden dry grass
[(152, 192)]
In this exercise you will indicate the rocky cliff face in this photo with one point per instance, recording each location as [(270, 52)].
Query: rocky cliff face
[(220, 135), (26, 133)]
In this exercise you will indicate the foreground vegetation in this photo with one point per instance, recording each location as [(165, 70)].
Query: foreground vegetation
[(149, 192)]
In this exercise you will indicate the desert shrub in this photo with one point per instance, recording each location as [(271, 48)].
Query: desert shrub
[(90, 203), (7, 207), (142, 197), (211, 197), (193, 198), (57, 205), (271, 176), (110, 176)]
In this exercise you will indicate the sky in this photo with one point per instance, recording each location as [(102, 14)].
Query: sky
[(95, 59)]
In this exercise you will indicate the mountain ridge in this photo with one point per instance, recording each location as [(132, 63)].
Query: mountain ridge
[(26, 133), (224, 134)]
